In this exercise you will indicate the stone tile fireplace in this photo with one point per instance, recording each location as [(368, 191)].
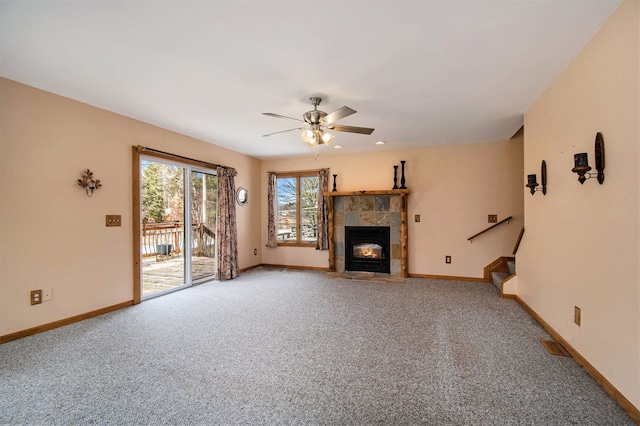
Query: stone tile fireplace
[(368, 210)]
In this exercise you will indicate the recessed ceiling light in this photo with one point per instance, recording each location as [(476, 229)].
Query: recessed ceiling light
[(380, 143), (337, 147)]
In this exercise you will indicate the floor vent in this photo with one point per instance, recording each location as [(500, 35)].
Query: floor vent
[(554, 348)]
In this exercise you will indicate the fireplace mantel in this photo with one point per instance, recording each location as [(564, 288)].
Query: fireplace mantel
[(402, 199), (401, 192)]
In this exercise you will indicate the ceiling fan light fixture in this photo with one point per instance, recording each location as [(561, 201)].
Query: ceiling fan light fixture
[(318, 122), (327, 138), (308, 136), (313, 137)]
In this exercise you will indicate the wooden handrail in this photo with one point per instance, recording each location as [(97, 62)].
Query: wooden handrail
[(490, 228), (515, 249)]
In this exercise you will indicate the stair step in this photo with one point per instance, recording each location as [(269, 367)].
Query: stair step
[(498, 277), (511, 264)]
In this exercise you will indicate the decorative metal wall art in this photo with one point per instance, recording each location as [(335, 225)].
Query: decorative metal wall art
[(88, 182)]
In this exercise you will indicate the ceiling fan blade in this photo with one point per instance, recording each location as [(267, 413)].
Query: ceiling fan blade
[(283, 131), (337, 115), (270, 114), (352, 129)]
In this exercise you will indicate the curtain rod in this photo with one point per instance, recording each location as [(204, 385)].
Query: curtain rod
[(142, 149), (314, 171)]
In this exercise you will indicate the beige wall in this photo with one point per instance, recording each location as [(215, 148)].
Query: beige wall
[(51, 234), (453, 189), (581, 246)]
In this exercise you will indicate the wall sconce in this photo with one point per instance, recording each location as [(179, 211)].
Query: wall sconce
[(532, 183), (581, 162), (88, 182)]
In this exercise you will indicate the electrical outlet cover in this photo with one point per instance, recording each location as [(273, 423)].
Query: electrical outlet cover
[(36, 297)]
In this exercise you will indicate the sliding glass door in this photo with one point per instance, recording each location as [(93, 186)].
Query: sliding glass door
[(175, 198), (204, 202)]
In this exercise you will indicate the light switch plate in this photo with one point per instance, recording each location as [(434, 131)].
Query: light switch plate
[(493, 218), (114, 220)]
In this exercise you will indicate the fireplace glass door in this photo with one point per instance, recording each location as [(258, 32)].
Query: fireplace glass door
[(367, 248), (368, 251)]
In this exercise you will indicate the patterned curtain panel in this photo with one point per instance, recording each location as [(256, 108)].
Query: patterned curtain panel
[(322, 243), (272, 236), (227, 235)]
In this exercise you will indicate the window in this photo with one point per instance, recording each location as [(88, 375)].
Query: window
[(297, 208)]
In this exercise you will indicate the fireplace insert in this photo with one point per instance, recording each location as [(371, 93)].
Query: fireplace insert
[(367, 248)]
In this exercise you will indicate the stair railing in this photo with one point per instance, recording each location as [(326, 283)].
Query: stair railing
[(490, 228), (515, 249)]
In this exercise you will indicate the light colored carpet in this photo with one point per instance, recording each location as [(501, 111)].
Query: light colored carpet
[(300, 347)]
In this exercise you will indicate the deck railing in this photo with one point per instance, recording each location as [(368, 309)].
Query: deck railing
[(166, 240)]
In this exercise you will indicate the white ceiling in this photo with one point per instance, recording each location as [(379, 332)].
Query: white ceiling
[(420, 72)]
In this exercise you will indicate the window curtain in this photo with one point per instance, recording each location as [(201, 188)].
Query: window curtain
[(322, 242), (272, 235), (226, 230)]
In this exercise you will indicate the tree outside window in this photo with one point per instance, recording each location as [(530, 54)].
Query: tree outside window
[(297, 207), (162, 192)]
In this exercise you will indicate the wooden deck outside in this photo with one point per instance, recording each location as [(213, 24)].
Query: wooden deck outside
[(163, 255), (163, 275)]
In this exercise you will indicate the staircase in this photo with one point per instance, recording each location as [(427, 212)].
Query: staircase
[(500, 271)]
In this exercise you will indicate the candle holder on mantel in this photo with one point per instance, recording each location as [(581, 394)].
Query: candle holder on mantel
[(402, 185), (334, 183), (395, 177)]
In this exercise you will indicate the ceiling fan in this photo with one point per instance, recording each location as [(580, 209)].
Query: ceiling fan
[(317, 122)]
